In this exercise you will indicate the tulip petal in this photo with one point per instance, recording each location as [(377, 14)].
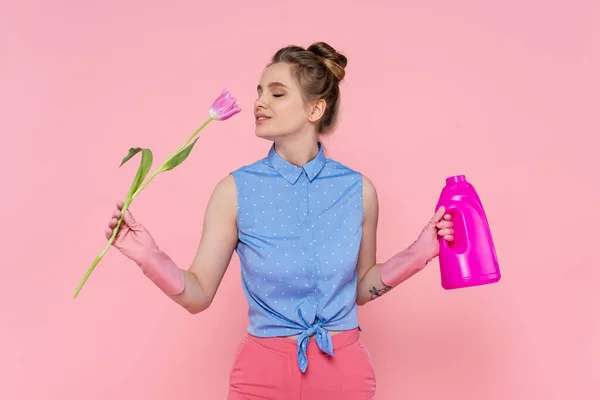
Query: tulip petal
[(230, 113), (224, 107)]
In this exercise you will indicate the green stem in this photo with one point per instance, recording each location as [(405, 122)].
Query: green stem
[(96, 261), (159, 169), (99, 256), (192, 136), (126, 206)]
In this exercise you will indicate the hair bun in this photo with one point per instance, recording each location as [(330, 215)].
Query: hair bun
[(333, 60)]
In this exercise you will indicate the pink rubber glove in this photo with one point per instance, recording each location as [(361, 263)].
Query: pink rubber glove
[(406, 263), (135, 242)]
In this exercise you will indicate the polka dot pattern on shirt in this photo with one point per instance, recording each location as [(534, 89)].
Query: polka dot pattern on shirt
[(299, 234)]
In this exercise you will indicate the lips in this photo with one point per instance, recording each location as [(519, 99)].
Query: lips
[(262, 117)]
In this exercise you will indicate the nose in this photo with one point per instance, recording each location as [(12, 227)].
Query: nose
[(259, 103)]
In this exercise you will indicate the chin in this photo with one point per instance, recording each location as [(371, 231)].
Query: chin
[(261, 134), (265, 133)]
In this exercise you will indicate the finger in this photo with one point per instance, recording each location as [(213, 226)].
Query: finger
[(120, 204), (438, 215), (445, 232), (447, 217), (444, 224), (449, 238), (129, 220), (112, 223), (108, 233)]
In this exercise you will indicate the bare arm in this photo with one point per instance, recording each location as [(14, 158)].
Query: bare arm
[(403, 265), (215, 250), (369, 282), (370, 285)]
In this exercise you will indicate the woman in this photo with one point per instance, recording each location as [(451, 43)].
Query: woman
[(304, 228)]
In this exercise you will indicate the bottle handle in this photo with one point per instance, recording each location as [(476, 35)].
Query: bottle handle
[(460, 244)]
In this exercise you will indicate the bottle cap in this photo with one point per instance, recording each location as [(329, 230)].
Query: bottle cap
[(455, 179)]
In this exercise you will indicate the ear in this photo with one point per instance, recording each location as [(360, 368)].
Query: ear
[(317, 110)]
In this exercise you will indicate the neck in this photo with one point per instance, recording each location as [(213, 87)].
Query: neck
[(297, 149)]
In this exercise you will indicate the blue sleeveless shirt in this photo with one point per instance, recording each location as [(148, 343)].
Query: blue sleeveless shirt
[(299, 233)]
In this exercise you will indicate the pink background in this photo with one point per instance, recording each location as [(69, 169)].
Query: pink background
[(504, 92)]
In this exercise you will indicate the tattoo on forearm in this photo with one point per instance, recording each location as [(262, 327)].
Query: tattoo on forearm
[(379, 292)]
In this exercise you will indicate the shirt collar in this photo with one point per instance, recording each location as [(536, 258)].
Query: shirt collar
[(291, 172)]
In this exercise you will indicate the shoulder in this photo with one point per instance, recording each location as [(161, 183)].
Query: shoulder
[(222, 204), (246, 173), (225, 190), (343, 171), (367, 185), (338, 165), (256, 166), (370, 200), (226, 184), (369, 192)]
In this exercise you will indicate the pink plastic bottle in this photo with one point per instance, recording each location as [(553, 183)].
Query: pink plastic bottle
[(470, 260)]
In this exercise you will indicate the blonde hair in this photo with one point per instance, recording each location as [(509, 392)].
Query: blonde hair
[(318, 70)]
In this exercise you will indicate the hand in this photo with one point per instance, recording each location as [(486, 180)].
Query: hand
[(133, 239), (428, 240)]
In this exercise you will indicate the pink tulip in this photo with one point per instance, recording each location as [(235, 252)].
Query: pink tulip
[(224, 107)]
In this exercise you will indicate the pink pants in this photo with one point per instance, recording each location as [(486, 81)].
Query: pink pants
[(267, 368)]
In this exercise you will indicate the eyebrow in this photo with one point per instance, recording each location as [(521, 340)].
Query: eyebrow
[(273, 84)]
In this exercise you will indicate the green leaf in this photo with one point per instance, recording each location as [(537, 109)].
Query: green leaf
[(143, 169), (132, 152), (179, 158)]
